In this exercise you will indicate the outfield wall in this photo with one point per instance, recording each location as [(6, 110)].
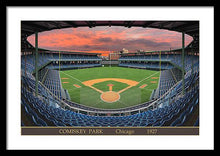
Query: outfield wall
[(110, 62)]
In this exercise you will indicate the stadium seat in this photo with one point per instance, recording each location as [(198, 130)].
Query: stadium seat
[(43, 111)]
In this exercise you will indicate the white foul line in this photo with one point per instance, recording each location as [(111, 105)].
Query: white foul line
[(71, 76), (148, 77)]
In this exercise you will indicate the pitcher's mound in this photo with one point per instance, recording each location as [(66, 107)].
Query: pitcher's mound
[(110, 96)]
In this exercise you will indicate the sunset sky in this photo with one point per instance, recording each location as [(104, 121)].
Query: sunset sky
[(105, 39)]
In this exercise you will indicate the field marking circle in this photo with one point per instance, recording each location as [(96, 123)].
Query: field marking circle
[(110, 96)]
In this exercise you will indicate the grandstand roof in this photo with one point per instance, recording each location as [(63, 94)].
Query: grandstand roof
[(30, 27)]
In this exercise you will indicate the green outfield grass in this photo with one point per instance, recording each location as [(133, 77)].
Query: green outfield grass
[(90, 97)]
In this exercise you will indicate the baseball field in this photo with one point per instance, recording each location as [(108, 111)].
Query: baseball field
[(109, 87)]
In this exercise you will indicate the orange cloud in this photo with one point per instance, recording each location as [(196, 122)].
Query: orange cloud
[(105, 39)]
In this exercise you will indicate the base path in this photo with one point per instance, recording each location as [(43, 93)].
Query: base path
[(110, 96), (124, 89), (92, 82), (89, 83)]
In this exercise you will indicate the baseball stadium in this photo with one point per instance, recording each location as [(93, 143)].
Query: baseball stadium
[(61, 88)]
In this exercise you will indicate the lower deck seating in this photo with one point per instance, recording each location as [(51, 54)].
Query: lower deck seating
[(42, 114), (52, 82), (166, 82)]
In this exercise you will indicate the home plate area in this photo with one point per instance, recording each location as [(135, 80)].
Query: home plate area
[(110, 96)]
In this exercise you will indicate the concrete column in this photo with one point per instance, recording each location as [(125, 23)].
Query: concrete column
[(36, 63), (183, 62)]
